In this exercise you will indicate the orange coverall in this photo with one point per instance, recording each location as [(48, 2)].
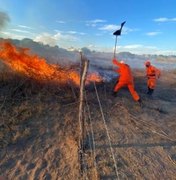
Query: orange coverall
[(125, 79), (152, 74)]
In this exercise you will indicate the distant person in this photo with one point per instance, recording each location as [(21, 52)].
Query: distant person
[(125, 80), (152, 74)]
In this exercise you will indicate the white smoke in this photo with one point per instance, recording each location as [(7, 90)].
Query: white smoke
[(4, 19)]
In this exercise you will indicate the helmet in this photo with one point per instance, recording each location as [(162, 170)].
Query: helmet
[(147, 63), (122, 62)]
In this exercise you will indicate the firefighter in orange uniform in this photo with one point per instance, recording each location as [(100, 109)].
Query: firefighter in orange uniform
[(125, 79), (152, 74)]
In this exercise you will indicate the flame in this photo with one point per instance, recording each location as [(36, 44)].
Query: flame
[(94, 77), (20, 60)]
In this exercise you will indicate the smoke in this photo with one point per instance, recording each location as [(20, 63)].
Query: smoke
[(4, 19)]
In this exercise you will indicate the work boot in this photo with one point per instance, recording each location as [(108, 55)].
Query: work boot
[(140, 103), (114, 94), (150, 91)]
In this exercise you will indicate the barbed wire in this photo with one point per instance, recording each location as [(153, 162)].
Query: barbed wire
[(107, 131), (92, 134)]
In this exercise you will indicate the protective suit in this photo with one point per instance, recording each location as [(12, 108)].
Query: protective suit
[(125, 79), (152, 74)]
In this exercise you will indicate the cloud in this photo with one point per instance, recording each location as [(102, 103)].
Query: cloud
[(60, 22), (133, 46), (143, 49), (72, 32), (135, 49), (92, 46), (138, 46), (21, 31), (76, 32), (46, 38), (154, 33), (12, 35), (25, 27), (164, 19), (53, 40), (95, 22), (4, 19), (17, 33), (109, 27), (113, 27), (99, 34), (65, 37), (82, 33)]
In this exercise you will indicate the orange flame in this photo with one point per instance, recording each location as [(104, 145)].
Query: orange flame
[(20, 60), (94, 77)]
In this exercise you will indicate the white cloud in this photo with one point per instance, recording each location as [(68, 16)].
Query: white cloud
[(154, 33), (143, 49), (133, 46), (56, 30), (60, 22), (46, 38), (12, 35), (109, 27), (138, 49), (72, 32), (113, 27), (82, 33), (65, 37), (164, 19), (25, 27), (21, 31), (92, 46), (127, 30), (99, 34), (53, 40), (75, 32), (95, 22)]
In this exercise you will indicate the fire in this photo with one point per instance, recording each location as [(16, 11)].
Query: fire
[(20, 60), (94, 77)]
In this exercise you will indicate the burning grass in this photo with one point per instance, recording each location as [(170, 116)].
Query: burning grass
[(29, 78), (35, 67)]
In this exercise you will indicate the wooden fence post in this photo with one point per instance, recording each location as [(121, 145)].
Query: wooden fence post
[(83, 72)]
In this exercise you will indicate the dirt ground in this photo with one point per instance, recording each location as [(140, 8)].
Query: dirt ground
[(39, 131)]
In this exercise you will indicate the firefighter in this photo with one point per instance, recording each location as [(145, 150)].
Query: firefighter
[(152, 74), (125, 80)]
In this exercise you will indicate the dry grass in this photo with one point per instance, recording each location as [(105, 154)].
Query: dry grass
[(32, 114), (39, 131), (143, 139)]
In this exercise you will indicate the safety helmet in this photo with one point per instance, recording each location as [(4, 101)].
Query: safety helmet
[(122, 62), (147, 63)]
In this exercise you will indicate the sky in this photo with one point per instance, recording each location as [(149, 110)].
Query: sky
[(149, 29)]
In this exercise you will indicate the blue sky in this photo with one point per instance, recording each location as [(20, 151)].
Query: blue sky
[(150, 25)]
